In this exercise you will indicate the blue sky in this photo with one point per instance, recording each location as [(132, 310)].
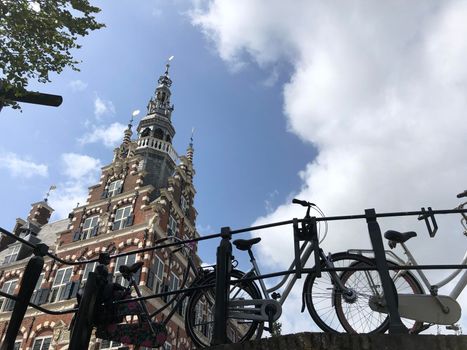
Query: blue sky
[(352, 105), (241, 141)]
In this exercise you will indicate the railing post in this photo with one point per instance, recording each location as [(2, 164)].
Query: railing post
[(28, 283), (223, 269), (390, 294), (84, 318)]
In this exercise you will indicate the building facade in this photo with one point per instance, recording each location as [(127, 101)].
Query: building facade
[(144, 195)]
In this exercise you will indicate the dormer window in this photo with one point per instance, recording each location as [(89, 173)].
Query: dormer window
[(12, 254), (123, 218), (115, 188)]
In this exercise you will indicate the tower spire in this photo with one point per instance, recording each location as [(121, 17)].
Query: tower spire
[(160, 103), (190, 150)]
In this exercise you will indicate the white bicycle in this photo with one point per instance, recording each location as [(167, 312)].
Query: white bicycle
[(364, 311)]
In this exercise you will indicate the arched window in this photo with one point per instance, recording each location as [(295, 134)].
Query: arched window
[(42, 343), (167, 138), (159, 134), (145, 132)]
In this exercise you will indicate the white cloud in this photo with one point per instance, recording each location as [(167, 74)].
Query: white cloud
[(81, 171), (22, 166), (110, 136), (77, 85), (379, 89), (102, 107)]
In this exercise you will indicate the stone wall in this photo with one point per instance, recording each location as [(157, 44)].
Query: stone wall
[(327, 341)]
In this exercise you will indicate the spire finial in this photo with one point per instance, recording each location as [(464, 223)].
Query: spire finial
[(167, 65), (190, 150)]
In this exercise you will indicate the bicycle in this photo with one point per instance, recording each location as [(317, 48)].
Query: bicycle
[(417, 309), (109, 315), (251, 306)]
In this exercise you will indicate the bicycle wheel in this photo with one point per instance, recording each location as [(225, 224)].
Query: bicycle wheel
[(320, 292), (199, 319), (355, 312)]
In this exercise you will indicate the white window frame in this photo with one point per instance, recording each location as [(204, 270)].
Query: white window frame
[(158, 269), (114, 188), (123, 260), (41, 346), (174, 284), (38, 284), (167, 346), (17, 345), (6, 288), (112, 344), (88, 226), (172, 227), (59, 285), (121, 220), (12, 254), (183, 204), (90, 267)]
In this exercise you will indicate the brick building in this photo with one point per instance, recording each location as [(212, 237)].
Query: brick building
[(146, 193)]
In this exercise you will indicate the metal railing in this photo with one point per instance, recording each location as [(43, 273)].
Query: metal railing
[(83, 325)]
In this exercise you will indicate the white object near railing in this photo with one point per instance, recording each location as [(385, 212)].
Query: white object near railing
[(157, 144)]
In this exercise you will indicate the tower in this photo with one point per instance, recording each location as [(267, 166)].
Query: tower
[(155, 135), (145, 194)]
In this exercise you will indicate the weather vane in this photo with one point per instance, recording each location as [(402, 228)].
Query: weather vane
[(168, 65), (52, 188), (134, 114)]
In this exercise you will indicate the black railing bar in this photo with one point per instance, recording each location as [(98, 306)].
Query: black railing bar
[(136, 251), (47, 311), (152, 296), (243, 230), (343, 269), (22, 240), (351, 217)]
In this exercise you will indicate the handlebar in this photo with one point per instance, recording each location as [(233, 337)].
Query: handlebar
[(462, 194), (303, 203)]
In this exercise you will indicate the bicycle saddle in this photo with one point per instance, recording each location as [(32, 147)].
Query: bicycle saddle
[(399, 237), (128, 270), (245, 244)]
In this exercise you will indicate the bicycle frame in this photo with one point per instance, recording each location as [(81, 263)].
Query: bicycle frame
[(305, 251), (457, 289)]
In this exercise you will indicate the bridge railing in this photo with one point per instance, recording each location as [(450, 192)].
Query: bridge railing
[(224, 261)]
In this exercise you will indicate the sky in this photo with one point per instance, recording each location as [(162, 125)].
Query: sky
[(351, 105)]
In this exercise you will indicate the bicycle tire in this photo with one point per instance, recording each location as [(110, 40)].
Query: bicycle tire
[(358, 317), (199, 325), (319, 293)]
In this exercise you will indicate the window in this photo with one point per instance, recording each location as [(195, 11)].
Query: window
[(183, 204), (17, 345), (8, 287), (90, 227), (122, 218), (167, 346), (173, 284), (115, 188), (37, 288), (62, 277), (91, 267), (155, 275), (12, 254), (42, 343), (124, 260), (172, 229), (107, 344)]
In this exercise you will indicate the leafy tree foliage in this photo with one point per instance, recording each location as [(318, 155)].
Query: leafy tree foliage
[(36, 38)]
